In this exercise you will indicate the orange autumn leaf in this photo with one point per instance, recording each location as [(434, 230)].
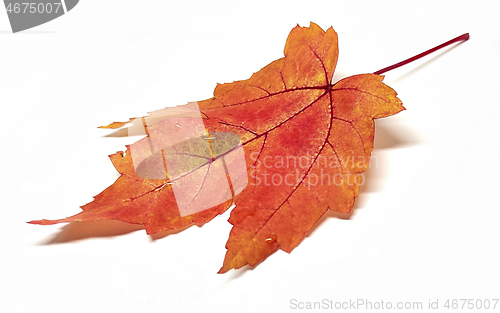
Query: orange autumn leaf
[(305, 141)]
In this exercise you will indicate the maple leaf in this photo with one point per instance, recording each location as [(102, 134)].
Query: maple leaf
[(306, 142)]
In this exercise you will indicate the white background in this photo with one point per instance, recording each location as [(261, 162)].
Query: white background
[(424, 227)]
